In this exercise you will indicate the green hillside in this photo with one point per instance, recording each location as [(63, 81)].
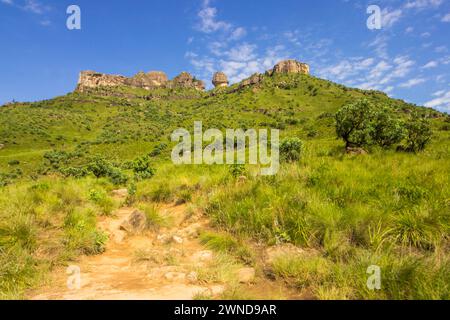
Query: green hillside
[(389, 207)]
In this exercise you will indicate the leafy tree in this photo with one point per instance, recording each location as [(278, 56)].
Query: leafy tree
[(387, 130), (100, 167), (419, 133), (142, 169), (291, 149), (354, 123)]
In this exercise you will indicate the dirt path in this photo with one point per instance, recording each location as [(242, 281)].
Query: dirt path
[(151, 266)]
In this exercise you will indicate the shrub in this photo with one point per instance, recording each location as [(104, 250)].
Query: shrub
[(237, 170), (354, 123), (100, 167), (291, 149), (157, 150), (74, 172), (419, 133), (142, 169), (387, 129), (13, 162)]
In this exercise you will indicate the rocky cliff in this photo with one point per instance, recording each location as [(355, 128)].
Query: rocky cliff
[(286, 66), (158, 79), (148, 81)]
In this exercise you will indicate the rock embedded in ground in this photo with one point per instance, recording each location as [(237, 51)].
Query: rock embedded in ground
[(192, 277), (1, 146), (136, 222), (246, 275), (203, 256), (177, 239), (192, 231)]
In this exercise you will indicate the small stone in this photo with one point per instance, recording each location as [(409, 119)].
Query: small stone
[(1, 146), (136, 223), (203, 256), (246, 275), (177, 239), (193, 231), (192, 277)]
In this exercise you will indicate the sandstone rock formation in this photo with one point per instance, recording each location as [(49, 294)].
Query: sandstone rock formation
[(254, 79), (158, 79), (92, 79), (148, 81), (220, 79), (290, 66), (286, 66), (186, 80)]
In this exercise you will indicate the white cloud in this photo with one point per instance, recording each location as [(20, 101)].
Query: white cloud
[(438, 93), (34, 6), (389, 18), (238, 33), (243, 52), (446, 18), (431, 64), (208, 20), (442, 102), (380, 45), (412, 82), (45, 23), (423, 4), (440, 49)]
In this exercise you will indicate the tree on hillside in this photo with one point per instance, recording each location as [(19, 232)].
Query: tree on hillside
[(354, 123), (419, 133), (387, 129)]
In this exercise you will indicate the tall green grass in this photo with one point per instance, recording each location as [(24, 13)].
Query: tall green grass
[(44, 224)]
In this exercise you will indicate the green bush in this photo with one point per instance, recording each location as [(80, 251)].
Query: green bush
[(354, 123), (237, 170), (291, 149), (387, 130), (13, 162), (100, 167), (419, 133), (142, 169)]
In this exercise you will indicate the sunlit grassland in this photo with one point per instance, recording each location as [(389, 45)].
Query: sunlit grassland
[(386, 208)]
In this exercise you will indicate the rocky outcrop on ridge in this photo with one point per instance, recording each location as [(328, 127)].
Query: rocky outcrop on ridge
[(220, 79), (158, 79), (148, 81)]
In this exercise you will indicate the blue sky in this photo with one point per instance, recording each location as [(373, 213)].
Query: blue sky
[(409, 57)]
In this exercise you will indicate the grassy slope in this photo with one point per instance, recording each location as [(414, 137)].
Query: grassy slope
[(387, 208)]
